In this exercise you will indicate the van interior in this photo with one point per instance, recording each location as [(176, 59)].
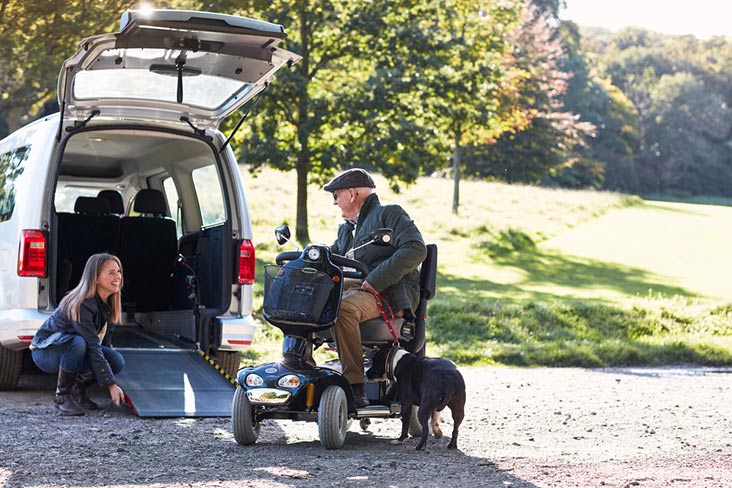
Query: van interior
[(158, 201)]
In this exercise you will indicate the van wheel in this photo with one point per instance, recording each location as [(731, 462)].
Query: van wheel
[(11, 362), (229, 361), (333, 417), (243, 423)]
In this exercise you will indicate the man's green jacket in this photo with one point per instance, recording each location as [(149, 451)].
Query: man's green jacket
[(393, 270)]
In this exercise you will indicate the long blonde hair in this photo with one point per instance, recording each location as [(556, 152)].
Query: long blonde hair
[(87, 288)]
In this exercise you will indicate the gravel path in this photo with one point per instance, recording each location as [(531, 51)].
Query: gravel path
[(668, 427)]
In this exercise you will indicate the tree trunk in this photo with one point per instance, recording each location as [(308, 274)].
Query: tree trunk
[(303, 132), (301, 228), (456, 175)]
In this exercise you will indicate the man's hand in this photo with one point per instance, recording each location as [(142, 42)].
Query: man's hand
[(366, 286), (118, 396)]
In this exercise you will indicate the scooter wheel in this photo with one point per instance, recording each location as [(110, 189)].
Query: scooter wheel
[(243, 423), (333, 417), (415, 428)]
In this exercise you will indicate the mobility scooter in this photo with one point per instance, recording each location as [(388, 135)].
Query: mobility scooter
[(302, 298)]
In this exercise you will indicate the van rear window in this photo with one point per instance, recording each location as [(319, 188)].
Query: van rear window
[(11, 167)]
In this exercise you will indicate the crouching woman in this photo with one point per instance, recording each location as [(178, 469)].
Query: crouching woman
[(76, 341)]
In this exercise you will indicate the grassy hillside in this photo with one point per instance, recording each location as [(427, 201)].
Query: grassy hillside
[(535, 276)]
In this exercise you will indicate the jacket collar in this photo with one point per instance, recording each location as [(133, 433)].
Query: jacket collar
[(368, 204)]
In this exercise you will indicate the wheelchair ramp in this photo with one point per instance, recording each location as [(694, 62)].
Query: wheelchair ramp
[(174, 383)]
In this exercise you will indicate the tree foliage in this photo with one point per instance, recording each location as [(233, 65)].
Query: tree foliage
[(552, 133), (502, 90), (441, 80)]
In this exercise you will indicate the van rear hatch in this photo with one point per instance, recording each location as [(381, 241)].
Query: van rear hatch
[(167, 65)]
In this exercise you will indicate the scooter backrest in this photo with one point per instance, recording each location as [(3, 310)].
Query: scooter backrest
[(428, 275)]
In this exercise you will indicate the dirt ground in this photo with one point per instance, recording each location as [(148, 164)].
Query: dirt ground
[(636, 427)]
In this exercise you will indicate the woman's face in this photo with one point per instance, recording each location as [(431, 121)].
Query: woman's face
[(109, 279)]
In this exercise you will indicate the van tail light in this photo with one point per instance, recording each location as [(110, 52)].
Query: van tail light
[(32, 254), (247, 263)]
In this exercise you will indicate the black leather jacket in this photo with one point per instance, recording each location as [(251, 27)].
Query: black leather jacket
[(93, 315)]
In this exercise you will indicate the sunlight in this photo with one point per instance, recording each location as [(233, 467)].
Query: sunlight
[(284, 472), (5, 475), (705, 19)]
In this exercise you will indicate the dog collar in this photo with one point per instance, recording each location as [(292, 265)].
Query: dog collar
[(395, 355)]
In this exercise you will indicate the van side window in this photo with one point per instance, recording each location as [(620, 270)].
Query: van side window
[(210, 195), (171, 195), (66, 196), (11, 167)]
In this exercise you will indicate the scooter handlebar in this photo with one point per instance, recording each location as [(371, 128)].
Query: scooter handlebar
[(283, 257), (360, 270)]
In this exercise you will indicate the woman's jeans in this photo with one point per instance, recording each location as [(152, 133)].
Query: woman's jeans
[(72, 356)]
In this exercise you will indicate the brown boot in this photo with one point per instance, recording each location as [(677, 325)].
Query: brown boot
[(64, 397), (359, 395), (84, 380)]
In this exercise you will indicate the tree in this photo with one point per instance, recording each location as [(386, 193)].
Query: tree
[(442, 77), (688, 137), (294, 127), (35, 39), (609, 158), (552, 133)]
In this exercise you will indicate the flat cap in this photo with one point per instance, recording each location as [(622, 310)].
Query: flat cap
[(352, 178)]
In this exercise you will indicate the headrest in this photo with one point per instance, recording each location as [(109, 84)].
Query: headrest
[(150, 201), (114, 199), (91, 206)]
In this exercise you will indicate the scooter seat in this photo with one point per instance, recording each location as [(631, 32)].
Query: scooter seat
[(374, 332)]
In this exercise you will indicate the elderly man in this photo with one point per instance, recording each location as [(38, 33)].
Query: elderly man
[(393, 270)]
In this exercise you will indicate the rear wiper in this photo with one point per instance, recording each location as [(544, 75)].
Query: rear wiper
[(179, 69)]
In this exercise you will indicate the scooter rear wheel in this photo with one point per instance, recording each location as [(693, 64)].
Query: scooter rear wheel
[(333, 417), (243, 424), (415, 428)]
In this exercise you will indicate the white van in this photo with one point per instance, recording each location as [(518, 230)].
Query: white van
[(134, 165)]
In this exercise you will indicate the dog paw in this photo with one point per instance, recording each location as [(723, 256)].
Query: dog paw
[(436, 431)]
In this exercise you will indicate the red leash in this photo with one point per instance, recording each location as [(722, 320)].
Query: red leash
[(380, 303)]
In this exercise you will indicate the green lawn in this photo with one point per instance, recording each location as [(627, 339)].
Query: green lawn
[(534, 276)]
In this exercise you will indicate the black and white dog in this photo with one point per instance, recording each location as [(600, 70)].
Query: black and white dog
[(430, 383)]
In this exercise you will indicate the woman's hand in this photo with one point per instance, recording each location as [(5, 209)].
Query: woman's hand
[(118, 396)]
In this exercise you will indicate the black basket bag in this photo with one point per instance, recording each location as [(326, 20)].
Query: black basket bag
[(302, 292)]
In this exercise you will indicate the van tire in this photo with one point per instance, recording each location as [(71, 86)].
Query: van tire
[(11, 363), (229, 361)]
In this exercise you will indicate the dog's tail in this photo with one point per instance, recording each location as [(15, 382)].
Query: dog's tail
[(448, 391)]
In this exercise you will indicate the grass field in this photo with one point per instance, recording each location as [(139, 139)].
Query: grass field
[(535, 276)]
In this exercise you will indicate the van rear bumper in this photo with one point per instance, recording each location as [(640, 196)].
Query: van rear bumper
[(237, 333), (19, 325)]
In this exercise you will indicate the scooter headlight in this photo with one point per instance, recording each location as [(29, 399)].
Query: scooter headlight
[(289, 381), (254, 379)]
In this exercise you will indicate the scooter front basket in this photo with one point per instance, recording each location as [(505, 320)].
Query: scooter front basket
[(301, 295)]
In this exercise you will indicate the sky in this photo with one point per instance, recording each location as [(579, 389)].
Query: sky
[(701, 18)]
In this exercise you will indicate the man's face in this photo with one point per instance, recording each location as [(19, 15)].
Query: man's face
[(346, 201)]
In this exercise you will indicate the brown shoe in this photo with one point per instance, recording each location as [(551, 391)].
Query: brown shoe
[(359, 395), (64, 399), (84, 380)]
